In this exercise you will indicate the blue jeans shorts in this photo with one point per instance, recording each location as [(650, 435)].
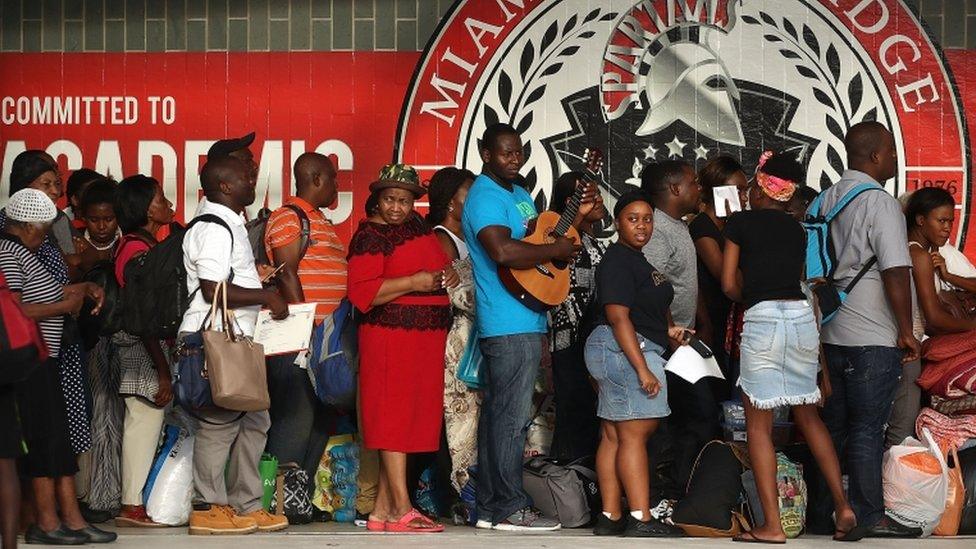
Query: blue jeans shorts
[(621, 397), (779, 354)]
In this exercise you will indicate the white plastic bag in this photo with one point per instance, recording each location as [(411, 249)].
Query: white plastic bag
[(168, 494), (916, 483)]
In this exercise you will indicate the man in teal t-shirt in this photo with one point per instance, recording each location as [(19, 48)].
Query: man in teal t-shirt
[(497, 213), (498, 313)]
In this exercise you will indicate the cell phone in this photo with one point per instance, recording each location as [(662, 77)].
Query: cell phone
[(699, 346), (273, 273)]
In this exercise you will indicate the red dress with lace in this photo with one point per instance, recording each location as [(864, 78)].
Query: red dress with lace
[(401, 343)]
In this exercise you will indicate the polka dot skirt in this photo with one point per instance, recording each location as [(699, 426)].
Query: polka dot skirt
[(75, 398)]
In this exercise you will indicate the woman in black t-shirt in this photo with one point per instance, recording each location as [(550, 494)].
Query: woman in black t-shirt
[(624, 354), (706, 231), (763, 268)]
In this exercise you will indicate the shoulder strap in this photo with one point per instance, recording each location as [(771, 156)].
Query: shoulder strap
[(455, 240), (813, 210), (860, 274), (306, 228), (585, 472), (857, 191), (129, 239), (211, 218)]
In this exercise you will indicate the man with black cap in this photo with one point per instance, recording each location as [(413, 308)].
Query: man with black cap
[(227, 445), (238, 148)]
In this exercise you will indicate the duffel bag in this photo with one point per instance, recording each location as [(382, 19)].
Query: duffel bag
[(558, 491)]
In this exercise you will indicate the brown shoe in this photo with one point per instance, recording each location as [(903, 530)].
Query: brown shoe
[(137, 518), (220, 520), (268, 522)]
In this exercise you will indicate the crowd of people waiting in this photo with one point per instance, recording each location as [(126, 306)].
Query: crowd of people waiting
[(85, 426)]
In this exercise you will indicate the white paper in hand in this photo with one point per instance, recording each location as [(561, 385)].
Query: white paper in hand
[(727, 195), (290, 335), (687, 364)]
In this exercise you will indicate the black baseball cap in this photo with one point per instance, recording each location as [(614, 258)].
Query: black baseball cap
[(226, 146)]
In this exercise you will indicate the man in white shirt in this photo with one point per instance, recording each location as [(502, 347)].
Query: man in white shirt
[(228, 504)]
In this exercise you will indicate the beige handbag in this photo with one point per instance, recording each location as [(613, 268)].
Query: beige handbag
[(235, 364)]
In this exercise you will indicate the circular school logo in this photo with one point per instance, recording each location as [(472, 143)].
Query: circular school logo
[(665, 79)]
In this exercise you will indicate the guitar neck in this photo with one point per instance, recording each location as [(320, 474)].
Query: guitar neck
[(568, 216), (572, 207)]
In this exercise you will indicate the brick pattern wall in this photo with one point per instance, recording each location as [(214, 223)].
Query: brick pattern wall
[(286, 25)]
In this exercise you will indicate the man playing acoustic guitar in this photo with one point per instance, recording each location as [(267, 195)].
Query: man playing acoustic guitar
[(497, 215)]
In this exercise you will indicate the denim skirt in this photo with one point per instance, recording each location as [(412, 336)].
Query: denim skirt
[(779, 354), (621, 397)]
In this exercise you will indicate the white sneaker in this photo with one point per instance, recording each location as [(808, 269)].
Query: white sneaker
[(483, 525)]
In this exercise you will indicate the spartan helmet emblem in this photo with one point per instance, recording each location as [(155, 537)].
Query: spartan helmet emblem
[(686, 81)]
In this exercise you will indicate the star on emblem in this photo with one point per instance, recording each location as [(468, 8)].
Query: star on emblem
[(700, 152), (675, 148), (650, 152)]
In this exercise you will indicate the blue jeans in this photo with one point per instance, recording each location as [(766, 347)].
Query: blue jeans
[(863, 380), (511, 366), (300, 424)]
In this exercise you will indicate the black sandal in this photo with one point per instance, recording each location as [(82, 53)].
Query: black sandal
[(752, 538), (856, 533)]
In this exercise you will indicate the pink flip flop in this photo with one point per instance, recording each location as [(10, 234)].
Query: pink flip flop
[(373, 525), (427, 526)]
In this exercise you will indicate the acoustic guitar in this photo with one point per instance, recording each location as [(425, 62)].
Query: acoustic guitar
[(544, 286)]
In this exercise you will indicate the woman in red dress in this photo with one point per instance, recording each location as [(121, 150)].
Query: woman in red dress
[(398, 274)]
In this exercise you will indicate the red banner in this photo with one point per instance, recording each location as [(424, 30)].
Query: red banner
[(157, 114)]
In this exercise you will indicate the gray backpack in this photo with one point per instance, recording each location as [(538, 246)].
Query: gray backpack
[(562, 492), (257, 227)]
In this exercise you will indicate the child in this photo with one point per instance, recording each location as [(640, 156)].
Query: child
[(101, 229)]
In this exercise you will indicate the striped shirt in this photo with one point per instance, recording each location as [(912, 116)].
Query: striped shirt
[(322, 271), (27, 276)]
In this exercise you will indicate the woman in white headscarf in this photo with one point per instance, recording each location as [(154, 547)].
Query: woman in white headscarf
[(50, 460)]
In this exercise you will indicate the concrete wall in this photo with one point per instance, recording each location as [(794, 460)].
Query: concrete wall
[(287, 25)]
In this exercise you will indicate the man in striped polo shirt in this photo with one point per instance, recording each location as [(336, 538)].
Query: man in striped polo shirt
[(315, 271)]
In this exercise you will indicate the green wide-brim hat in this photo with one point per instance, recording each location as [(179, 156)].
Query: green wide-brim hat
[(398, 176)]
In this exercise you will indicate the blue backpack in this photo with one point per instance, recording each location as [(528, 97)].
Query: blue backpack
[(821, 260), (334, 357)]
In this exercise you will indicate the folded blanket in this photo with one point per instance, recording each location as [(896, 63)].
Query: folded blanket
[(955, 406), (949, 365), (948, 432)]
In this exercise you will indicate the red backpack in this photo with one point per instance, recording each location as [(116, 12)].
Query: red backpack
[(21, 347)]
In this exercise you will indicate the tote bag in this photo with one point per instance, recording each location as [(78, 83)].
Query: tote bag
[(235, 364)]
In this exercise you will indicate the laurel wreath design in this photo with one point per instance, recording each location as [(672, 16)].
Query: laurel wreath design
[(536, 66), (822, 67)]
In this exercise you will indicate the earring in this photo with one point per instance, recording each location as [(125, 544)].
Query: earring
[(450, 208)]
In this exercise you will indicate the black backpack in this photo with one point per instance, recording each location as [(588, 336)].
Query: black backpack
[(109, 320), (712, 504), (256, 229), (155, 294)]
